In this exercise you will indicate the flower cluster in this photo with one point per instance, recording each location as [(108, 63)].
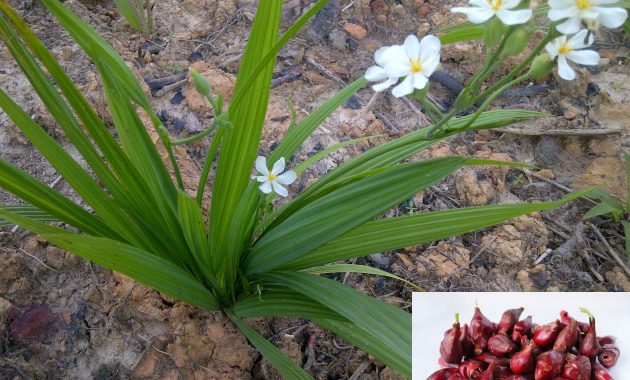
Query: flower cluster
[(414, 60), (569, 15)]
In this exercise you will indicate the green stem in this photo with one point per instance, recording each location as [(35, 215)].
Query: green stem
[(198, 136), (551, 34), (203, 178), (492, 97)]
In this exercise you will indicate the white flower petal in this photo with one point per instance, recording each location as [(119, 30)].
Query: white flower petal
[(419, 81), (480, 3), (261, 178), (509, 4), (265, 187), (562, 3), (578, 40), (553, 48), (556, 14), (430, 65), (279, 189), (261, 165), (564, 70), (384, 85), (404, 88), (430, 46), (612, 17), (278, 167), (387, 53), (572, 25), (375, 74), (602, 2), (475, 15), (397, 69), (412, 46), (287, 178), (584, 57), (520, 16)]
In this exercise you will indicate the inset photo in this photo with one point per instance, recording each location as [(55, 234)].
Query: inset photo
[(521, 336)]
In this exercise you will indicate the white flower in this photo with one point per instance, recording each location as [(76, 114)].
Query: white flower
[(568, 50), (273, 179), (415, 60), (484, 10), (589, 11), (377, 72)]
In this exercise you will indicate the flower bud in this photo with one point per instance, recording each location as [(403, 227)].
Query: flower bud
[(493, 32), (201, 83), (541, 66), (517, 41)]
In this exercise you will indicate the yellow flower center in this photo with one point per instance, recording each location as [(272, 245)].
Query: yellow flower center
[(583, 4), (271, 176), (416, 65), (495, 4), (564, 49)]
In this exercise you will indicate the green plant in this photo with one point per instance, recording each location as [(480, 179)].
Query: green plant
[(614, 207), (245, 258), (138, 14)]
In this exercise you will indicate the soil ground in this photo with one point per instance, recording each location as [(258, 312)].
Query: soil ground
[(83, 321)]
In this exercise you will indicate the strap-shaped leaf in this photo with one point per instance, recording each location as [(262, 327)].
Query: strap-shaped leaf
[(29, 189), (390, 325), (355, 268), (296, 136), (240, 146), (122, 90), (277, 358), (343, 209), (367, 342), (127, 11), (140, 265), (406, 231), (393, 152), (139, 199), (27, 211), (282, 302)]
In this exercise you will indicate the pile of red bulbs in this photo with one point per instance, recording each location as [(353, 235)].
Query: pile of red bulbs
[(514, 349)]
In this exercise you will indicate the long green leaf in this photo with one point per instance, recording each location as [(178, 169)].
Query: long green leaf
[(28, 212), (390, 153), (626, 231), (140, 265), (122, 90), (282, 302), (138, 198), (277, 358), (366, 341), (29, 189), (240, 146), (345, 208), (354, 268), (406, 231), (127, 11), (389, 324), (297, 135)]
